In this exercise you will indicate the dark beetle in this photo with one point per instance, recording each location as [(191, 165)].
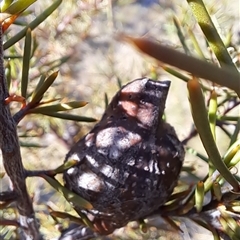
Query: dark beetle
[(130, 161)]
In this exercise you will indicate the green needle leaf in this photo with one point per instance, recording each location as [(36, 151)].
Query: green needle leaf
[(106, 100), (199, 196), (217, 191), (225, 228), (232, 151), (212, 116), (201, 121), (70, 196), (26, 62), (38, 20), (42, 87), (58, 107), (18, 6), (5, 5), (235, 160), (205, 22), (72, 117), (196, 44), (212, 113), (66, 165), (236, 132), (180, 35), (223, 76), (65, 215)]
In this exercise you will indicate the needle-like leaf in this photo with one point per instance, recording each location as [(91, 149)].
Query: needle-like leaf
[(17, 6), (42, 87), (26, 62), (72, 117), (205, 22), (58, 107), (200, 118), (70, 196), (38, 20), (223, 76)]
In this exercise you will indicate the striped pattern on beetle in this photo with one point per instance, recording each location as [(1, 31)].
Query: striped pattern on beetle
[(130, 161)]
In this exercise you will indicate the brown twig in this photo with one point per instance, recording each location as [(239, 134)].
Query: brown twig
[(192, 134), (8, 196), (39, 173), (17, 117), (12, 160), (7, 222)]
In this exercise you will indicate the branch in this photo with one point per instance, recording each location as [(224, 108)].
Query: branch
[(12, 160), (8, 196)]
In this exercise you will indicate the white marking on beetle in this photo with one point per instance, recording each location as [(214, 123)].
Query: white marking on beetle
[(107, 170), (157, 170), (114, 152), (134, 184), (126, 175), (175, 155), (90, 181), (151, 166), (103, 151), (109, 185), (89, 140), (71, 171), (147, 180), (74, 157), (116, 140), (146, 168), (92, 161), (131, 162)]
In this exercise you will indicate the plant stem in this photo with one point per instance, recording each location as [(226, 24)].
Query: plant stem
[(12, 160)]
